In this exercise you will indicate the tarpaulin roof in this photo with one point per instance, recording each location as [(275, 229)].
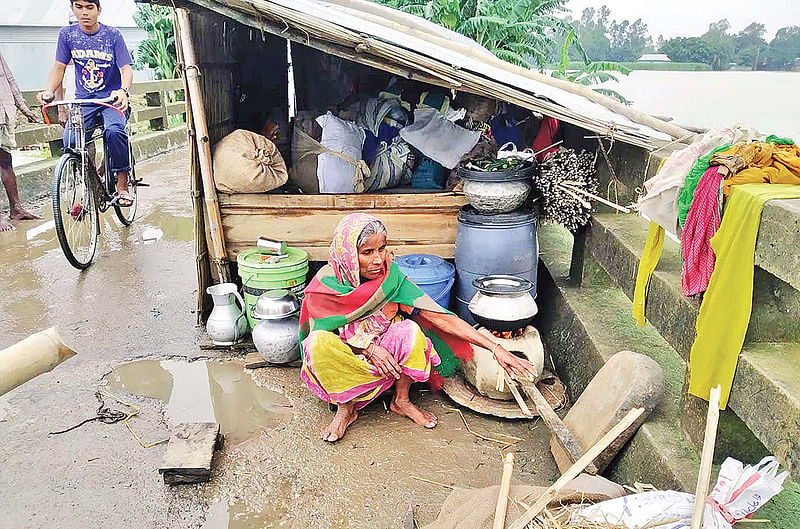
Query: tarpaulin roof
[(407, 45)]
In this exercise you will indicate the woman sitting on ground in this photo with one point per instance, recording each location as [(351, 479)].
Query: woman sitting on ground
[(361, 329)]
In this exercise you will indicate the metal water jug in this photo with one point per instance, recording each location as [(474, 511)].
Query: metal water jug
[(227, 323)]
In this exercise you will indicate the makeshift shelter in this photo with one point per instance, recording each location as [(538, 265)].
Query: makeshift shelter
[(237, 62)]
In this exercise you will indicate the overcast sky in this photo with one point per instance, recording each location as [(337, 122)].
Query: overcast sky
[(688, 18)]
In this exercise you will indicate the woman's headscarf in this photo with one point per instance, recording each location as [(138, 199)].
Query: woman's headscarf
[(343, 254)]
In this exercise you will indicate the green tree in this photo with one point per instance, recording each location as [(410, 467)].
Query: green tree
[(722, 44), (784, 49), (157, 51), (518, 31), (688, 49), (628, 40), (750, 45), (592, 30)]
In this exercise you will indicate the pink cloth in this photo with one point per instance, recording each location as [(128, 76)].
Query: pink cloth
[(702, 222)]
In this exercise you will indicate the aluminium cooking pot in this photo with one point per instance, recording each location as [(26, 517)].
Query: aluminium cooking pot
[(276, 334), (503, 303)]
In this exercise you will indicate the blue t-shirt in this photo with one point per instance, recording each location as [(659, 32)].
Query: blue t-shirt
[(97, 57)]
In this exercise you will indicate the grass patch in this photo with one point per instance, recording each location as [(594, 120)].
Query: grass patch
[(656, 66)]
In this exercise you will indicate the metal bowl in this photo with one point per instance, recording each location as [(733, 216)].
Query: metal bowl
[(502, 285), (276, 305)]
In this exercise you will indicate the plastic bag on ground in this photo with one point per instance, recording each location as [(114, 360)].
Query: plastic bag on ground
[(739, 492), (246, 162)]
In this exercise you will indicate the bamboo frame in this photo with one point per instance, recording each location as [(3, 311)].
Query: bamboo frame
[(706, 458), (194, 98)]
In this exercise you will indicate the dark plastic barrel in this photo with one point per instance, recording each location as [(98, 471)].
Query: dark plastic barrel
[(493, 244)]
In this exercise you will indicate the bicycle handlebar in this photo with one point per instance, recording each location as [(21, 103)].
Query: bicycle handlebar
[(105, 102)]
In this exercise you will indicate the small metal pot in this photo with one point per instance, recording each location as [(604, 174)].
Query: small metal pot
[(276, 335), (503, 303)]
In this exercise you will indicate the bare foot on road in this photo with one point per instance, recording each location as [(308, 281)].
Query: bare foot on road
[(20, 213), (345, 416), (5, 226), (407, 409)]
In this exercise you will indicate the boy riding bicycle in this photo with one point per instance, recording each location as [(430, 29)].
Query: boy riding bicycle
[(102, 69)]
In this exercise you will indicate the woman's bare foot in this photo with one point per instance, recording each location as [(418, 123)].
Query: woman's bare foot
[(5, 226), (345, 416), (408, 409), (20, 213)]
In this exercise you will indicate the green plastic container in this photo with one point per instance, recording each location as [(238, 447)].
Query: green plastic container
[(260, 273)]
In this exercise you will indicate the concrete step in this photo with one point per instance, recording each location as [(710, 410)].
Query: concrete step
[(616, 241), (584, 326)]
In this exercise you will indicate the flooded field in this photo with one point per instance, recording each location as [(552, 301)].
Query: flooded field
[(767, 101)]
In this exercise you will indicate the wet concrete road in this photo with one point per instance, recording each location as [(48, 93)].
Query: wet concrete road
[(136, 302)]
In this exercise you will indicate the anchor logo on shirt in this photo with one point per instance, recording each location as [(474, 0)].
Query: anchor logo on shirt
[(92, 75)]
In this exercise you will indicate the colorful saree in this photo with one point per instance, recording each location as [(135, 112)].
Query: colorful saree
[(336, 300)]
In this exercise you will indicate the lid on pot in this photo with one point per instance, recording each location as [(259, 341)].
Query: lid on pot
[(424, 268), (275, 305), (502, 285), (525, 172), (470, 215), (262, 259)]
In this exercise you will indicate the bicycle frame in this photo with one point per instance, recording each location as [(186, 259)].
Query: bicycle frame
[(75, 121)]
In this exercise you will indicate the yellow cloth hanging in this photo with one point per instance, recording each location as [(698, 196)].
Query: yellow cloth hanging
[(728, 301), (647, 265)]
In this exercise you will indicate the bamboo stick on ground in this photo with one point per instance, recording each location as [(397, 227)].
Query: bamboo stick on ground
[(573, 471), (706, 458), (195, 95), (512, 386), (36, 354), (502, 496)]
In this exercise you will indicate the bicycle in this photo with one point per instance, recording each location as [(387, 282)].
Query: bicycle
[(78, 194)]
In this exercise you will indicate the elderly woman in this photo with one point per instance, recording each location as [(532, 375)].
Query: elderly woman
[(362, 325)]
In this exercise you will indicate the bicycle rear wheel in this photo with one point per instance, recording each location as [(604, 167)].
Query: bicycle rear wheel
[(75, 211)]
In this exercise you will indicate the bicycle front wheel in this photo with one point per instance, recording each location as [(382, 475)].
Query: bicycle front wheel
[(75, 211)]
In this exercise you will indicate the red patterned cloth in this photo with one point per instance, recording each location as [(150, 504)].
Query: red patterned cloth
[(702, 222)]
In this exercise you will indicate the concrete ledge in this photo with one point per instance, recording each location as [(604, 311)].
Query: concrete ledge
[(778, 236), (761, 380), (582, 327), (34, 179)]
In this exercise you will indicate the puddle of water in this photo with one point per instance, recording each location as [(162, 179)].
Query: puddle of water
[(237, 516), (205, 391)]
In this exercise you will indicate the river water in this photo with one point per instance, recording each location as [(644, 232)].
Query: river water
[(768, 101)]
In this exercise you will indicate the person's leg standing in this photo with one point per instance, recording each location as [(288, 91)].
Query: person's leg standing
[(9, 178), (115, 138)]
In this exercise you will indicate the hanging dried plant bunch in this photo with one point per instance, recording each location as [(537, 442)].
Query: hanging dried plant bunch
[(563, 179)]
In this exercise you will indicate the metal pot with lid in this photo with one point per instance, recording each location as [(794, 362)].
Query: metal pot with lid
[(503, 303), (276, 335)]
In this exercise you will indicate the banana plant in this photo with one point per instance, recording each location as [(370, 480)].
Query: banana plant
[(591, 73), (157, 51)]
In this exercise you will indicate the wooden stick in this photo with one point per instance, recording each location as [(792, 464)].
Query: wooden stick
[(573, 471), (597, 198), (559, 142), (195, 95), (706, 458), (554, 423), (502, 497), (514, 391)]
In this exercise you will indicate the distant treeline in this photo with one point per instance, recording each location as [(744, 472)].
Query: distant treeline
[(604, 39)]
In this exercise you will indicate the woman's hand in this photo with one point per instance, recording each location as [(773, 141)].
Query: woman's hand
[(384, 361), (515, 366)]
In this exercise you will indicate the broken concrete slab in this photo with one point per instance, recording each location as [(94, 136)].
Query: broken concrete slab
[(628, 380), (189, 453)]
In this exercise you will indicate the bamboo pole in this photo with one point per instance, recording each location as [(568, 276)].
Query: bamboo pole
[(706, 458), (573, 471), (502, 497), (36, 354), (195, 97)]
